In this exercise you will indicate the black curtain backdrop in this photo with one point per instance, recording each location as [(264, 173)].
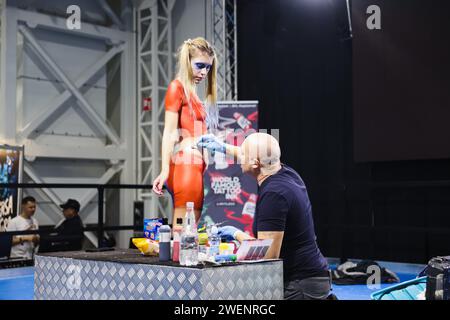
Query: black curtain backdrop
[(401, 81), (295, 57)]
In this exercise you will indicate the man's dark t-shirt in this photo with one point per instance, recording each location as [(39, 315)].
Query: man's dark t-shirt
[(283, 205), (71, 230), (71, 227), (68, 236)]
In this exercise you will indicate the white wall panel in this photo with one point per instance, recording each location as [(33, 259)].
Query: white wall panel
[(190, 21), (70, 147), (73, 57)]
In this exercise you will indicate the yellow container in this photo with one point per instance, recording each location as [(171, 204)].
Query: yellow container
[(202, 238), (226, 248), (146, 246)]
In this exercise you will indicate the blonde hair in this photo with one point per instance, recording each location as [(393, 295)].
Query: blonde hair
[(190, 48)]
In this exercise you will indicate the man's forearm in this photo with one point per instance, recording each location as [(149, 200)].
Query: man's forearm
[(241, 236), (232, 150), (36, 240), (20, 240), (16, 240)]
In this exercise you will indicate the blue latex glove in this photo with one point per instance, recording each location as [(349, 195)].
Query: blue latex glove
[(212, 143), (228, 233)]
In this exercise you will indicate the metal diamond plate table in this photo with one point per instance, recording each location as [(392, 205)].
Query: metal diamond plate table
[(126, 275)]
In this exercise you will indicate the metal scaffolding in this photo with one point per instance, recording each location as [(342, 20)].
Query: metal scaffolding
[(143, 60), (22, 34), (155, 71), (224, 39)]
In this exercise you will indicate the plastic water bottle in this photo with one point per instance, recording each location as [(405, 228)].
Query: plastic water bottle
[(189, 238), (214, 242)]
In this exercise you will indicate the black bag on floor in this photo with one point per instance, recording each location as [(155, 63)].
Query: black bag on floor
[(358, 273), (438, 279)]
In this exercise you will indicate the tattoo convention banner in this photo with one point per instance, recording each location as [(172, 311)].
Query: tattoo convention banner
[(230, 195), (10, 172)]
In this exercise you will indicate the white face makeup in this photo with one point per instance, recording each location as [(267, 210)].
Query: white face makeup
[(201, 65)]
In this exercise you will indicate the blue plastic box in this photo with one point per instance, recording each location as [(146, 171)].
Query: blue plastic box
[(408, 290), (151, 228)]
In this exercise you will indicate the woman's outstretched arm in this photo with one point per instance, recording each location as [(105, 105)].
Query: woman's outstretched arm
[(170, 136)]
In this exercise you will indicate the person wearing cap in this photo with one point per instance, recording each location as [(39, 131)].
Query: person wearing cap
[(72, 225), (68, 234)]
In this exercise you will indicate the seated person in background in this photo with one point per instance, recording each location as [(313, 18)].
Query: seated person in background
[(283, 213), (23, 246), (69, 232)]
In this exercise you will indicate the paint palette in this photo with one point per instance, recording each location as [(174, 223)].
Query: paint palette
[(253, 249)]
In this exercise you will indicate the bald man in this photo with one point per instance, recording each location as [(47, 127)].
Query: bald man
[(283, 213)]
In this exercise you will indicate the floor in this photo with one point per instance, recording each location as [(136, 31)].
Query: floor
[(404, 271), (18, 283)]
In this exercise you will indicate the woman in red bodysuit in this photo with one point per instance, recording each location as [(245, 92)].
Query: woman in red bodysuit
[(186, 119)]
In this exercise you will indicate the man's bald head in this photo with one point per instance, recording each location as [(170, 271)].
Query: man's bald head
[(261, 147)]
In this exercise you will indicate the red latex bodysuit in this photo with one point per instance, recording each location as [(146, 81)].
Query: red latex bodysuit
[(185, 181)]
